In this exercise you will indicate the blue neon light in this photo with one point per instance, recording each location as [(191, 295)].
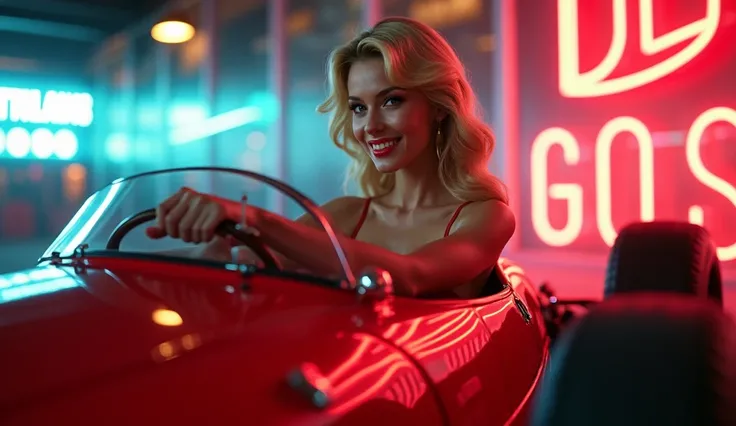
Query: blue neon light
[(51, 107), (54, 108), (41, 143)]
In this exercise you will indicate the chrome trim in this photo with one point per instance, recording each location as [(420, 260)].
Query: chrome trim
[(523, 310), (310, 382), (376, 283), (78, 258), (79, 251)]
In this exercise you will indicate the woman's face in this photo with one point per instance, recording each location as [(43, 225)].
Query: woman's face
[(392, 124)]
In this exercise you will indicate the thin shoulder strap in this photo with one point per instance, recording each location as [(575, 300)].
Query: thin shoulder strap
[(454, 217), (363, 215)]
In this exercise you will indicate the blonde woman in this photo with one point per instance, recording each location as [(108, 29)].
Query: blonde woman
[(432, 215)]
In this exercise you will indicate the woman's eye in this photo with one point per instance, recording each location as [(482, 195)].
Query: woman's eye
[(393, 101), (357, 109)]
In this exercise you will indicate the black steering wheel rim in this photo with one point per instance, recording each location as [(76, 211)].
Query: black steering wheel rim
[(227, 227)]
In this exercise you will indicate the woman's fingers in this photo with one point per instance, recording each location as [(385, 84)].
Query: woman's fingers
[(165, 207), (212, 218), (192, 214), (154, 232), (199, 231), (174, 216), (159, 229), (188, 215)]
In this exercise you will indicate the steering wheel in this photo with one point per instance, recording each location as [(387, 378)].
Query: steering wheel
[(227, 227)]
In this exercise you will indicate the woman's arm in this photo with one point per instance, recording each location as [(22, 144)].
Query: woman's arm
[(480, 234), (220, 249), (332, 209)]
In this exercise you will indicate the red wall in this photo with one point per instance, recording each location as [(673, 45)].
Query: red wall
[(626, 121)]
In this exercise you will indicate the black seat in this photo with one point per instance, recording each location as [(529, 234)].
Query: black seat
[(664, 256), (494, 284), (643, 359)]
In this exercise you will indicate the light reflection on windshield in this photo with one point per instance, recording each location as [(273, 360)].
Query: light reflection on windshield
[(87, 227)]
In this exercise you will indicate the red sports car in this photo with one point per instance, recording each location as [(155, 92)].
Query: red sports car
[(113, 328)]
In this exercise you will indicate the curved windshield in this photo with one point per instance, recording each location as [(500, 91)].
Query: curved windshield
[(104, 210)]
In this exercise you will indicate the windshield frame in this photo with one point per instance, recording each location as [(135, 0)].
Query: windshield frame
[(244, 269), (302, 200)]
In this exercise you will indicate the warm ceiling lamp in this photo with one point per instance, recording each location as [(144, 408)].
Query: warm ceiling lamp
[(172, 30)]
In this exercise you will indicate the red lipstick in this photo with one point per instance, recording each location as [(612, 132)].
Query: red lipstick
[(383, 147)]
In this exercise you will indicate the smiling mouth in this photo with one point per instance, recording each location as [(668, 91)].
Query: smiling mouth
[(383, 147)]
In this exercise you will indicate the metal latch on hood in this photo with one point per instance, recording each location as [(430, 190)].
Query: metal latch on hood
[(523, 310), (308, 381)]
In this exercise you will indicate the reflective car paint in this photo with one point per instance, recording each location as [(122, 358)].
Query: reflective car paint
[(122, 341)]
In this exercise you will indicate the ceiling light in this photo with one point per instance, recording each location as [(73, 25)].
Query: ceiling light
[(172, 31)]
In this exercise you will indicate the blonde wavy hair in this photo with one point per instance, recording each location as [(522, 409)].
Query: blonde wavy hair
[(416, 57)]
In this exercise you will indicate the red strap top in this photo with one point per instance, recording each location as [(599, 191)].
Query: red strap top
[(367, 204), (454, 217), (363, 215)]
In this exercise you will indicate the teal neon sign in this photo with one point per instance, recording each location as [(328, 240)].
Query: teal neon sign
[(62, 111)]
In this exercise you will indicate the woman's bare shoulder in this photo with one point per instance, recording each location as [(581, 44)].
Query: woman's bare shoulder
[(493, 214), (344, 212)]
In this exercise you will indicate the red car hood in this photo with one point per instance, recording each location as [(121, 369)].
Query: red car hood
[(142, 328)]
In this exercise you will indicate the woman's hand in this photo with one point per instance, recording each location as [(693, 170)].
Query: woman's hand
[(190, 216)]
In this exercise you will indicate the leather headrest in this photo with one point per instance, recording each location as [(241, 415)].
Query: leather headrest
[(664, 257), (643, 359)]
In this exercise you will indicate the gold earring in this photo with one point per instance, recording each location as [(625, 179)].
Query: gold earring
[(437, 141)]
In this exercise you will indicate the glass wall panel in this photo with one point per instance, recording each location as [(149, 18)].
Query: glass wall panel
[(188, 104), (132, 87), (244, 102), (109, 130), (46, 144), (314, 27)]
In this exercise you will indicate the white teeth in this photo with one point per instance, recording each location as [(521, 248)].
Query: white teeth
[(380, 146)]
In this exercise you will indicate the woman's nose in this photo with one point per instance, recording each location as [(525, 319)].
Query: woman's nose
[(374, 123)]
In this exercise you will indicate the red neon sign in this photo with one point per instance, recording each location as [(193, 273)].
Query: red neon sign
[(584, 184), (597, 81), (572, 193)]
